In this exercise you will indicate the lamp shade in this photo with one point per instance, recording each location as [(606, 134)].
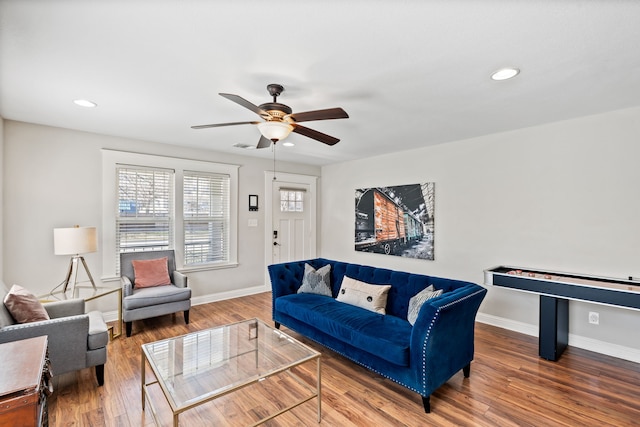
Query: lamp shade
[(275, 131), (74, 240)]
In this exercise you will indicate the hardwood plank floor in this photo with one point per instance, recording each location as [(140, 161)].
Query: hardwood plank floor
[(509, 385)]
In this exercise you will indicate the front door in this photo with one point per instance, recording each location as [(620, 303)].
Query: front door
[(291, 230)]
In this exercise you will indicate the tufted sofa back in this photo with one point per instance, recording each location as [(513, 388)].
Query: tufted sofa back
[(403, 285)]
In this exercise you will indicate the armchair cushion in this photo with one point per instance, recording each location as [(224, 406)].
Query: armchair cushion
[(145, 297), (151, 272), (24, 306)]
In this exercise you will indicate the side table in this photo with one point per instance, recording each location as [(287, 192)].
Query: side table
[(25, 382), (89, 293)]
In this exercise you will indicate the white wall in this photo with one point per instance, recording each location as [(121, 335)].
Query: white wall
[(1, 190), (52, 178), (561, 197)]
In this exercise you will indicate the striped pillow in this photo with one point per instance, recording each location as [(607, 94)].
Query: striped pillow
[(417, 301)]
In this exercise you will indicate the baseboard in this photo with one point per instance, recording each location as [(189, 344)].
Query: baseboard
[(597, 346), (112, 316)]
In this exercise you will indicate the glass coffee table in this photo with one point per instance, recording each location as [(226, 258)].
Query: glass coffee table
[(202, 366)]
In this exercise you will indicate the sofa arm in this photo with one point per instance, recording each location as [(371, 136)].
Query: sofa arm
[(127, 286), (67, 339), (179, 279), (72, 307), (442, 339), (64, 328), (286, 277)]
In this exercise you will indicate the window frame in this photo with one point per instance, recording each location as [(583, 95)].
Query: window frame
[(220, 180), (112, 158)]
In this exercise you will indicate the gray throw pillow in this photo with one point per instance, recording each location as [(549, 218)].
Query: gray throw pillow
[(316, 281), (416, 302)]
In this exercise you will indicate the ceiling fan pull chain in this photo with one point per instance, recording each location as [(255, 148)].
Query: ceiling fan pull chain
[(273, 148)]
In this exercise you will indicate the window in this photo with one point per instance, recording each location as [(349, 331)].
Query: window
[(206, 217), (291, 200), (155, 202), (144, 221)]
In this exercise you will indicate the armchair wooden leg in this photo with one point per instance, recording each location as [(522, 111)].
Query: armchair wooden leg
[(467, 370), (186, 317), (277, 324), (100, 374), (128, 326)]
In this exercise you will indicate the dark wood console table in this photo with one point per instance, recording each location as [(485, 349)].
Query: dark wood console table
[(24, 383), (555, 290)]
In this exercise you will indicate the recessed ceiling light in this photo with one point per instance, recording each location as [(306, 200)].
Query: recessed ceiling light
[(505, 73), (85, 103), (288, 144)]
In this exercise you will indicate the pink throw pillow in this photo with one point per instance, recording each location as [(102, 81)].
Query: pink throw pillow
[(152, 272), (24, 306)]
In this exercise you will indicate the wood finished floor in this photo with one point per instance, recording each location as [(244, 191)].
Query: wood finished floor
[(509, 385)]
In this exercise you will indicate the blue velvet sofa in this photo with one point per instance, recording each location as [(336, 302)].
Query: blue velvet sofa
[(421, 357)]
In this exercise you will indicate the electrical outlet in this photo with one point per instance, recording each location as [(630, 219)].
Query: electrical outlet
[(594, 317)]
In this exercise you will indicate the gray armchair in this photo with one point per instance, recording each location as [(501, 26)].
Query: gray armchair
[(77, 340), (143, 303)]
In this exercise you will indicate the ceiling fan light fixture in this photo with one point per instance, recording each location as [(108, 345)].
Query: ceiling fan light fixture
[(275, 131)]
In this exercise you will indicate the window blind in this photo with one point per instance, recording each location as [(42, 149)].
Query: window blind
[(206, 222), (144, 219)]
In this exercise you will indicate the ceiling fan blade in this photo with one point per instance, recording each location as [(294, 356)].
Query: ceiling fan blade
[(246, 104), (314, 134), (329, 113), (264, 142), (217, 125)]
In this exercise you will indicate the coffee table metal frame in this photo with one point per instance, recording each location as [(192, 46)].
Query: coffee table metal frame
[(147, 357)]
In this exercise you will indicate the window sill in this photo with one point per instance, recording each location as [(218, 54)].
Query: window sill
[(207, 267)]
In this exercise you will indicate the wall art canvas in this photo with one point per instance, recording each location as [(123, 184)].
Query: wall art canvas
[(396, 220)]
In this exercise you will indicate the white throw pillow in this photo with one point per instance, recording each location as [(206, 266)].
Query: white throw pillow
[(417, 301), (365, 295)]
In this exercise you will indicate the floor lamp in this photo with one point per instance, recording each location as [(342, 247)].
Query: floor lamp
[(75, 241)]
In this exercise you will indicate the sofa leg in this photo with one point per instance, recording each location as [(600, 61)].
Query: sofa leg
[(426, 402), (467, 370), (100, 374), (128, 327), (277, 325), (186, 317)]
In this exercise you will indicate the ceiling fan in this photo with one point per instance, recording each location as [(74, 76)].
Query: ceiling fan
[(280, 120)]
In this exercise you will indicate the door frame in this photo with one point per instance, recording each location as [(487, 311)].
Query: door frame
[(312, 182)]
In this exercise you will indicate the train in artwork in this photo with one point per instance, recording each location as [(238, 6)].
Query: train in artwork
[(393, 220)]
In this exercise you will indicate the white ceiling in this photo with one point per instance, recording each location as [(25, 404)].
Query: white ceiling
[(410, 73)]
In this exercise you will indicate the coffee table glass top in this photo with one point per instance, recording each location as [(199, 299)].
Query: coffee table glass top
[(201, 365)]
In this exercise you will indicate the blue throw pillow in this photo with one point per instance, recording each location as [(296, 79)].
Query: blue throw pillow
[(316, 281), (417, 301)]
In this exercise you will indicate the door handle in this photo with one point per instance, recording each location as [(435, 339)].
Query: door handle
[(276, 244)]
